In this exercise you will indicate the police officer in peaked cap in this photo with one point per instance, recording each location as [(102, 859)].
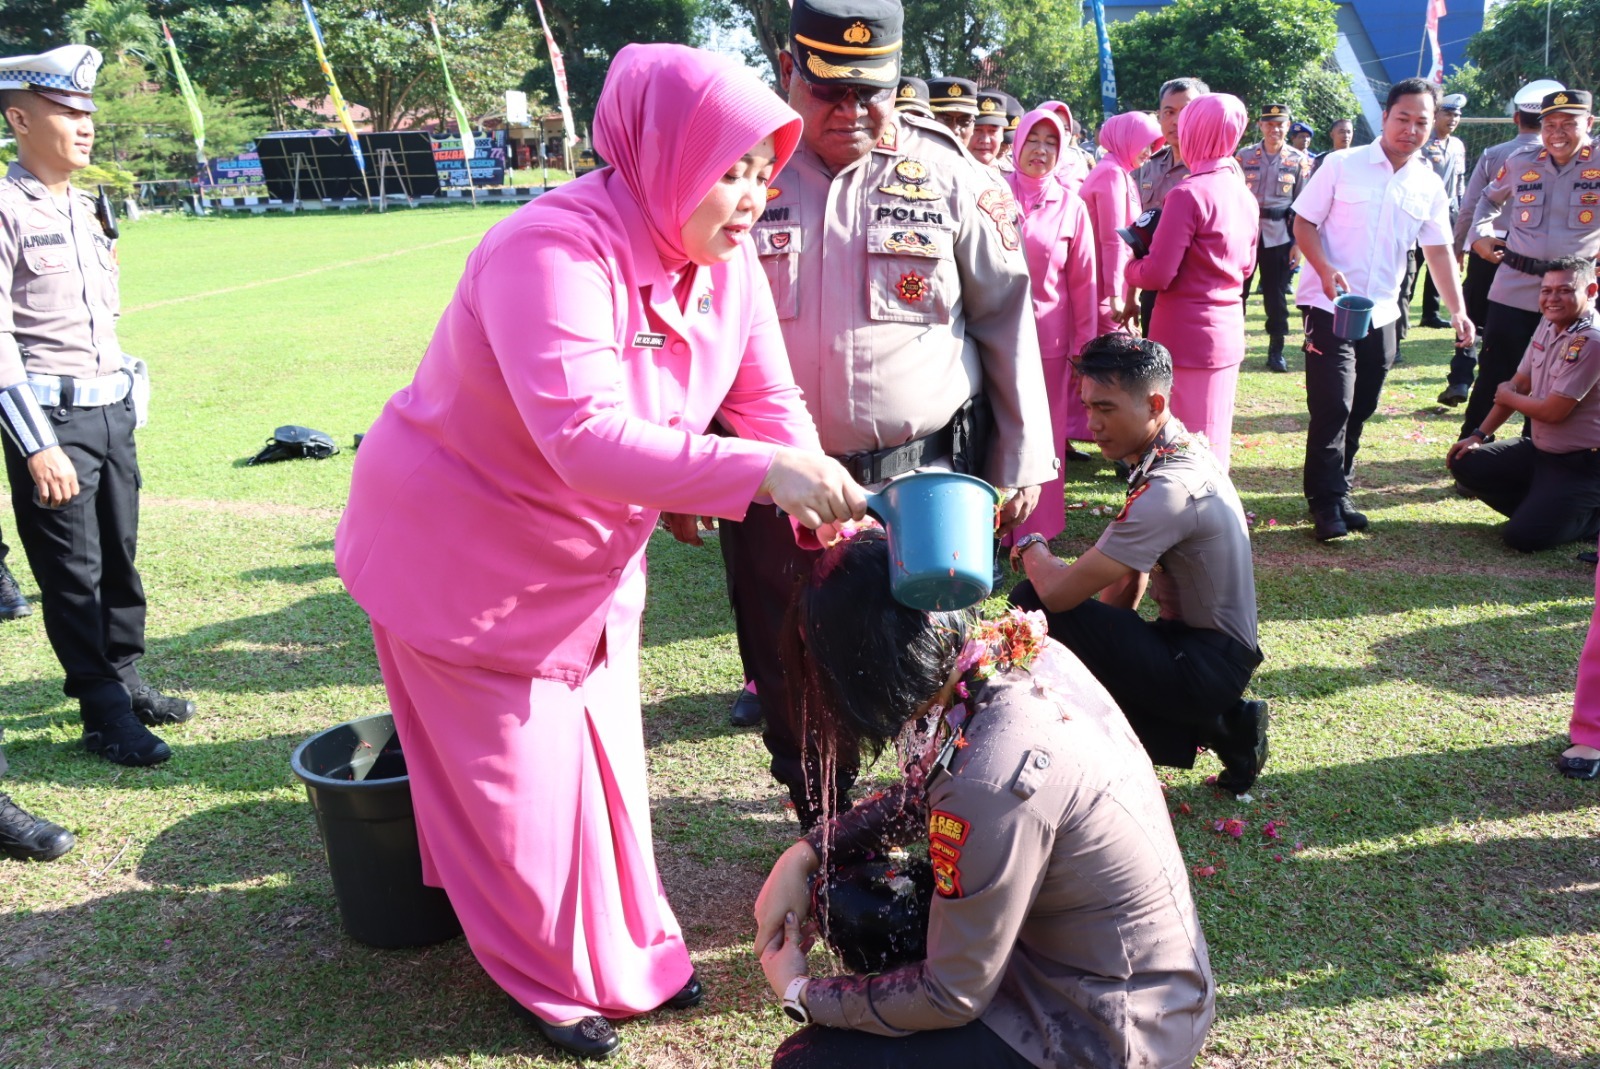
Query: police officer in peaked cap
[(912, 96), (955, 103), (988, 131)]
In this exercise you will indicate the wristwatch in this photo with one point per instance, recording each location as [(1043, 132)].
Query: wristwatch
[(792, 1005), (1034, 539)]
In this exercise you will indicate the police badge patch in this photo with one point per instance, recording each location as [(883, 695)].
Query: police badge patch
[(912, 288), (912, 182), (1002, 210), (911, 242), (1574, 351)]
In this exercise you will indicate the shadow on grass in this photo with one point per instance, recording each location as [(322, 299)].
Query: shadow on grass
[(1520, 1058)]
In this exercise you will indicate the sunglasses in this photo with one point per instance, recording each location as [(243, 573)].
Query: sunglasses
[(833, 95)]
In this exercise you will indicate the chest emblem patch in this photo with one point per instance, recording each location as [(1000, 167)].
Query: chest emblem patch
[(912, 288), (1528, 198), (1591, 173), (911, 241), (773, 192), (1524, 216), (911, 182), (1531, 176), (1586, 217), (780, 240)]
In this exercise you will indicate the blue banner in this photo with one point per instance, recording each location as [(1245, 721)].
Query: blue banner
[(1108, 72)]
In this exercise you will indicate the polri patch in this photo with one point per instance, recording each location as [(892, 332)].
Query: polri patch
[(1574, 351), (1002, 211), (646, 340), (946, 878), (1590, 174), (912, 287), (946, 826), (911, 182), (1531, 176), (911, 241), (1586, 217)]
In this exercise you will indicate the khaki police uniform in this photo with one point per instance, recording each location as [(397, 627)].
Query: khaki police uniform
[(1183, 525), (1546, 212), (1276, 181), (1549, 482), (1062, 917), (1156, 177), (903, 295), (65, 381), (1448, 157)]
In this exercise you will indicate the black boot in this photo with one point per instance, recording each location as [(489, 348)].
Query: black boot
[(12, 603), (1275, 361), (1355, 521), (1241, 745), (1329, 523), (25, 837), (152, 707), (112, 729)]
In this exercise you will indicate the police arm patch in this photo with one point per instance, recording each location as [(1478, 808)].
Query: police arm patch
[(947, 826), (1001, 209)]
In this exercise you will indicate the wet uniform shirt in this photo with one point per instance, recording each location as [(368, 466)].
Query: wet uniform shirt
[(1566, 362), (1546, 211), (1276, 181), (1157, 176), (902, 292), (1062, 914), (1183, 524), (58, 278)]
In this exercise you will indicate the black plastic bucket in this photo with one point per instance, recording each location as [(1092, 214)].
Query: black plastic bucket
[(355, 777)]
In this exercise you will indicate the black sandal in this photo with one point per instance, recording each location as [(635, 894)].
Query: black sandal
[(587, 1037), (1579, 767)]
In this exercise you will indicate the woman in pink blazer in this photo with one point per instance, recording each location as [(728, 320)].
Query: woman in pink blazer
[(501, 507), (1071, 167), (1059, 246), (1203, 250), (1112, 197)]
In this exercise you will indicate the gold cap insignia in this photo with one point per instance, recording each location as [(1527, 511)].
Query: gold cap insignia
[(1274, 110), (955, 90), (987, 106), (1561, 98), (857, 34), (908, 92)]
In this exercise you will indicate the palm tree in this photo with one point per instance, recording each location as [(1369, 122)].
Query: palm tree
[(122, 29)]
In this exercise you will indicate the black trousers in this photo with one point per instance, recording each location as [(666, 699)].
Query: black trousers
[(1551, 498), (1172, 681), (974, 1044), (1147, 307), (1506, 335), (764, 566), (1343, 381), (82, 555), (1274, 267), (1475, 291), (1408, 289)]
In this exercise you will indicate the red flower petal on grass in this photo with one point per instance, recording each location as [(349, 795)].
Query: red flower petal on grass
[(1183, 807), (1205, 870), (1270, 828)]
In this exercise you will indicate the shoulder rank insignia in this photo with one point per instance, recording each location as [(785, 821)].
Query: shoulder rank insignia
[(1585, 152), (1544, 154), (911, 182)]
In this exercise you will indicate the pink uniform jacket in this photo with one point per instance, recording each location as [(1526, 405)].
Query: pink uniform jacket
[(1112, 196), (561, 405), (1059, 245)]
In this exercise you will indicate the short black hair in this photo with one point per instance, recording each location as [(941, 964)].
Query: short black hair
[(1581, 266), (1336, 122), (1406, 87), (1529, 120), (1182, 85), (10, 98), (859, 663), (1137, 365)]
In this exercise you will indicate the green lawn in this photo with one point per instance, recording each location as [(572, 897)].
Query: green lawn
[(1433, 901)]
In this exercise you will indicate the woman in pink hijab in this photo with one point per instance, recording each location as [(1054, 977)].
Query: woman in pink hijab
[(1072, 166), (501, 506), (1203, 250), (1112, 197), (1058, 243)]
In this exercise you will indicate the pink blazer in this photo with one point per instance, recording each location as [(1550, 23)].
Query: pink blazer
[(1204, 248), (1112, 197), (502, 496), (1059, 246)]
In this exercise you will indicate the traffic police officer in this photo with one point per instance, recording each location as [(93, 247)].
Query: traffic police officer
[(69, 402), (912, 96), (988, 130), (1182, 532), (1480, 272), (1546, 198), (1275, 172), (897, 272), (955, 104), (1447, 155), (1165, 169)]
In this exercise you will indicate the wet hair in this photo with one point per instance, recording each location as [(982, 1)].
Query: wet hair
[(858, 661), (1182, 85), (1138, 365), (1582, 268), (1406, 87)]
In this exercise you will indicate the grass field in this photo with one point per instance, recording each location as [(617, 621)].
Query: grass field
[(1434, 899)]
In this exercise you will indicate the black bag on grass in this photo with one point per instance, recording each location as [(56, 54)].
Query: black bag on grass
[(293, 443)]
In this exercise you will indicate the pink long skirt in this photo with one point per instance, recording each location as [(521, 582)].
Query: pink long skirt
[(534, 815), (1202, 397), (1585, 727), (1049, 517)]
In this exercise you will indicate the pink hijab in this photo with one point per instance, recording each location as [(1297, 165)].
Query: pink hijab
[(672, 120), (1125, 136), (1211, 133), (1030, 191)]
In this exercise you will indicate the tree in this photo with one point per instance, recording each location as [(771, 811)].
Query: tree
[(143, 126), (1510, 49), (256, 52), (122, 30), (1260, 52), (29, 26)]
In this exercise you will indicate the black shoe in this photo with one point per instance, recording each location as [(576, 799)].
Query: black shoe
[(1275, 361), (1579, 767), (1588, 556), (587, 1037), (746, 711), (12, 603), (688, 997), (1329, 523), (1434, 322), (1455, 394), (123, 740), (25, 837), (152, 707), (1355, 521), (1074, 455), (1242, 745)]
